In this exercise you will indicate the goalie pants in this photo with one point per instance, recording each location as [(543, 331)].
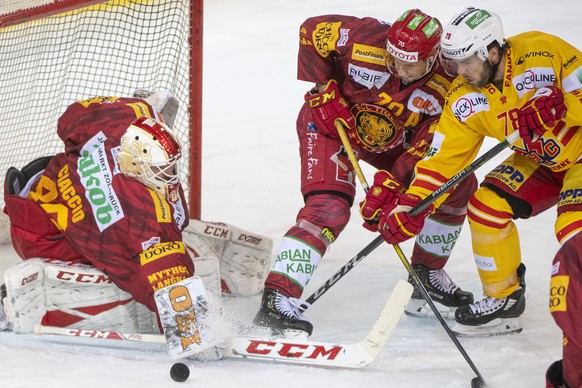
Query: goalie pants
[(328, 185), (521, 188)]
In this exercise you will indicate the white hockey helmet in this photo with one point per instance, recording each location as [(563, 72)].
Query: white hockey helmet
[(469, 33), (150, 153)]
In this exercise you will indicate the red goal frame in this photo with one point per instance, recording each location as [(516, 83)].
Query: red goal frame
[(196, 45)]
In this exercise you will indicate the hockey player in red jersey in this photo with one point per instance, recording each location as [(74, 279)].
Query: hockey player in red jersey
[(529, 83), (103, 229), (112, 199), (97, 203), (385, 85)]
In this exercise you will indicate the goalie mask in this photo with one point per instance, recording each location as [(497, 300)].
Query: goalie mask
[(150, 153)]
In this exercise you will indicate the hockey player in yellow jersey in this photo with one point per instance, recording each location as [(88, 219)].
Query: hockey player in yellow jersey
[(530, 83)]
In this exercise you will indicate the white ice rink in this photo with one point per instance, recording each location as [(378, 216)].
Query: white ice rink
[(251, 179)]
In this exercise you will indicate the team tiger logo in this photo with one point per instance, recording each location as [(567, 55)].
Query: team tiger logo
[(376, 130)]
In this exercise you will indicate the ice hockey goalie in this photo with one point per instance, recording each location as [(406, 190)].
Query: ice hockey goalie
[(110, 214), (229, 260)]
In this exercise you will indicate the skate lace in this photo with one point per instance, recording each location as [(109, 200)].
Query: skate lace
[(441, 280), (485, 305), (290, 307)]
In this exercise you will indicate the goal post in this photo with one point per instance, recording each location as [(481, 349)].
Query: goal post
[(54, 52)]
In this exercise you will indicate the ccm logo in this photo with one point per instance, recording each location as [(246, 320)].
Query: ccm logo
[(216, 231), (77, 277), (292, 350)]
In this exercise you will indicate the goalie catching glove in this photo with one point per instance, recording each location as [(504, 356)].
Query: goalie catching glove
[(384, 191), (329, 106), (541, 113), (396, 225)]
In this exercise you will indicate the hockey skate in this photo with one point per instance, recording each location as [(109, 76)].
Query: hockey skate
[(282, 315), (446, 295), (490, 316)]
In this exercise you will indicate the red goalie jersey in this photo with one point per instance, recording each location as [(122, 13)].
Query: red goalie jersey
[(79, 206)]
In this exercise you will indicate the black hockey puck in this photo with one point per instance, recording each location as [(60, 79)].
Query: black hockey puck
[(477, 383), (179, 372)]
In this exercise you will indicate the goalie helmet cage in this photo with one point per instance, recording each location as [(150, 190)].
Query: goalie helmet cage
[(54, 52)]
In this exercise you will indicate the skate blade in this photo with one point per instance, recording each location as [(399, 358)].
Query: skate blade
[(499, 326), (418, 308)]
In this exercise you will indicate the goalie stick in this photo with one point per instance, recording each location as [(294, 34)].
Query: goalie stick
[(303, 352)]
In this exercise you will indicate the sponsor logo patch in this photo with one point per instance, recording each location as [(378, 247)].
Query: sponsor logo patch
[(325, 37), (509, 175), (436, 144), (96, 178), (368, 77), (158, 251), (485, 263), (163, 213), (97, 100), (152, 241), (468, 105), (558, 293), (532, 79), (478, 18), (370, 54)]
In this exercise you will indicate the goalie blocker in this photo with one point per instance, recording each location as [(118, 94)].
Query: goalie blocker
[(229, 260)]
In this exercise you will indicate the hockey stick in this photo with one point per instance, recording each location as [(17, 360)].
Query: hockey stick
[(420, 207), (464, 173), (356, 355), (100, 334), (414, 211), (304, 352)]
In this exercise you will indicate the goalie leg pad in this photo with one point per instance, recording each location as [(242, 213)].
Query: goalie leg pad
[(63, 294), (244, 257), (246, 262), (24, 304), (208, 269)]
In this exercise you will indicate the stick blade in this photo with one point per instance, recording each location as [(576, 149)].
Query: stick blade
[(388, 319)]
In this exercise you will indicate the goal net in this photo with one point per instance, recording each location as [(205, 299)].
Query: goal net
[(54, 52)]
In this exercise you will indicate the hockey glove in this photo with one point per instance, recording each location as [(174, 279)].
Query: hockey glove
[(384, 191), (541, 113), (396, 225), (329, 106)]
